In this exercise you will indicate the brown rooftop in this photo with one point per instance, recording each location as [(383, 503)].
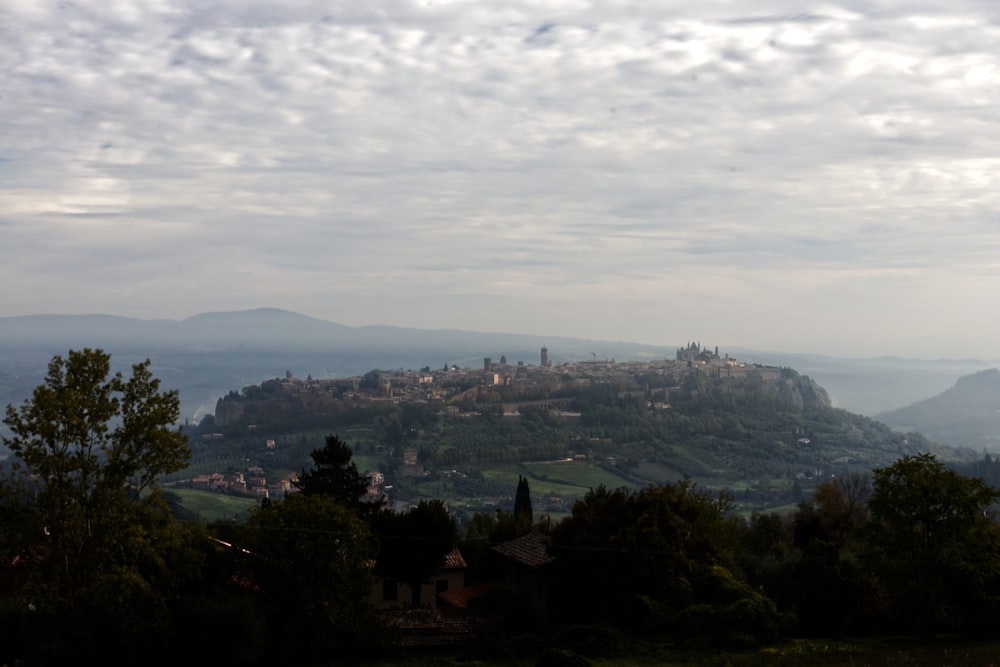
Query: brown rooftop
[(531, 549), (453, 560)]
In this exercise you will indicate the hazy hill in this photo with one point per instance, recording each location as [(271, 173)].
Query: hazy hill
[(768, 439), (968, 414), (208, 355), (871, 386)]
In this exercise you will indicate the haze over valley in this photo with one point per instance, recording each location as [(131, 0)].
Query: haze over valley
[(209, 355)]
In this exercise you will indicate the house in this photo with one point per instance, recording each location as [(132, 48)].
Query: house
[(394, 594), (525, 564)]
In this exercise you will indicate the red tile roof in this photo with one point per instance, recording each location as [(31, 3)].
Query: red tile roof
[(454, 560), (531, 549)]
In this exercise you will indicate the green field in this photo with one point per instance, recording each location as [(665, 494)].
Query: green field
[(211, 506), (566, 478), (367, 462)]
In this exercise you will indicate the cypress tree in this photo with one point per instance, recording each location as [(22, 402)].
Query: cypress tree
[(522, 500)]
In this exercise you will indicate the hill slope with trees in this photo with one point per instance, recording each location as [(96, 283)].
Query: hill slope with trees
[(966, 415), (768, 436)]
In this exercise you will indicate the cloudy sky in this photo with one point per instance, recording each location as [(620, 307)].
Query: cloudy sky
[(817, 177)]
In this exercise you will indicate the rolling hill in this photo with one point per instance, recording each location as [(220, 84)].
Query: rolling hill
[(967, 414), (210, 354)]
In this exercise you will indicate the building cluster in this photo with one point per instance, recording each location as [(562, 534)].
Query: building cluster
[(450, 386), (250, 483)]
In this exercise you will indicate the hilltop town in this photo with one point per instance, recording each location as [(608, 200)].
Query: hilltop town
[(396, 408), (498, 384)]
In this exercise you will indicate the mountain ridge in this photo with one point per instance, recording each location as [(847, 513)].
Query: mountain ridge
[(209, 354), (967, 414)]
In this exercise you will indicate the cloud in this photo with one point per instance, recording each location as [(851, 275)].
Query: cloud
[(174, 157)]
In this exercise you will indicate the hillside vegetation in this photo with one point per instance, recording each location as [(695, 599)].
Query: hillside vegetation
[(767, 436)]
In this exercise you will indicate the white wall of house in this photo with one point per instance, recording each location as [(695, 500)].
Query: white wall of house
[(391, 594)]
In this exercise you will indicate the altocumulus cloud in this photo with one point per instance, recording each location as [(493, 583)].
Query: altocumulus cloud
[(816, 176)]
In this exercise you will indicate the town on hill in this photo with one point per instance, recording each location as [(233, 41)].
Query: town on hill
[(500, 384), (763, 433)]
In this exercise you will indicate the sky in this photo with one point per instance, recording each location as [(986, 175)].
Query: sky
[(800, 176)]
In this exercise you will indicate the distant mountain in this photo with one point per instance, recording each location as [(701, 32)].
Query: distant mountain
[(870, 386), (966, 415), (208, 355)]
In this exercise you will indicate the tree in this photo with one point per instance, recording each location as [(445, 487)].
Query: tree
[(522, 501), (335, 476), (935, 546), (89, 447), (370, 381), (836, 513), (632, 558), (310, 558)]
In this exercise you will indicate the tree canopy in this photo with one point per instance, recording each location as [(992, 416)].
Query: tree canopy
[(931, 525), (335, 476), (633, 556), (83, 519), (89, 444), (310, 560)]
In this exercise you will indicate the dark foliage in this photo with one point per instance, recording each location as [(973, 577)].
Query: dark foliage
[(522, 501), (651, 560), (335, 475), (413, 544), (935, 547)]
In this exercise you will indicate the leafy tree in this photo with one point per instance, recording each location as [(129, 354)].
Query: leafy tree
[(370, 381), (89, 447), (821, 578), (413, 544), (836, 513), (935, 546), (310, 559), (632, 558), (335, 476)]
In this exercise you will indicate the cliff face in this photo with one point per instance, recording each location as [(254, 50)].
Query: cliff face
[(229, 411), (278, 400), (791, 390)]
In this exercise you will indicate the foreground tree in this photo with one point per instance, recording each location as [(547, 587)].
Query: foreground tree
[(826, 585), (652, 559), (88, 449), (309, 559), (836, 513), (935, 547)]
